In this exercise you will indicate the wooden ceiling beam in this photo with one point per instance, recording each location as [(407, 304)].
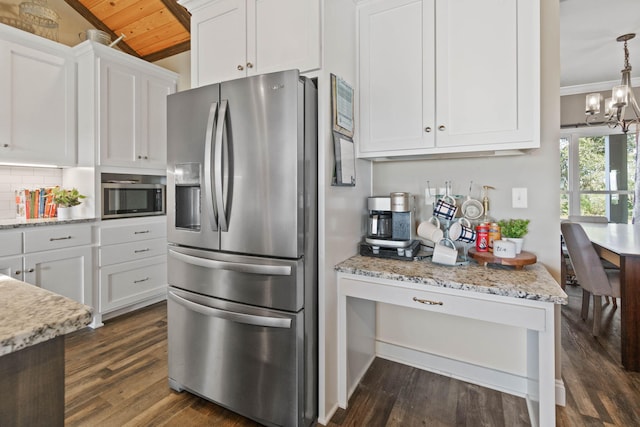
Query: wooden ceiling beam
[(181, 14)]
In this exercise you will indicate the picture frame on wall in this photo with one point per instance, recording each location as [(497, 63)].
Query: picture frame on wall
[(345, 166), (342, 106)]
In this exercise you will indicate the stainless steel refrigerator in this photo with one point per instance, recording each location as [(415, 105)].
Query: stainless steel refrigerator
[(242, 256)]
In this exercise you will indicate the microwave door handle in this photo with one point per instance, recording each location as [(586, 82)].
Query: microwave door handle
[(248, 319), (239, 267), (218, 165), (208, 172)]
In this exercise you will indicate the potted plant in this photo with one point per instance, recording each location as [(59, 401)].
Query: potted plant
[(514, 230), (66, 199)]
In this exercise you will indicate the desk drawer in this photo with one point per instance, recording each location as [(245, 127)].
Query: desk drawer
[(123, 252), (50, 238), (11, 243)]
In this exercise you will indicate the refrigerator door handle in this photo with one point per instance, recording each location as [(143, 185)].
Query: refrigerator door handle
[(248, 319), (218, 165), (241, 267), (208, 176)]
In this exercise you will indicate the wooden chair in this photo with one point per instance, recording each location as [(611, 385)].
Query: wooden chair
[(591, 274)]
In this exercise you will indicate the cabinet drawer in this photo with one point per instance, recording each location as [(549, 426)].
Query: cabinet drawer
[(11, 243), (49, 238), (132, 282), (132, 233), (123, 252)]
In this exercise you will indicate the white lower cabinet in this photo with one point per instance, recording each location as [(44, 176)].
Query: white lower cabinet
[(132, 264), (56, 258)]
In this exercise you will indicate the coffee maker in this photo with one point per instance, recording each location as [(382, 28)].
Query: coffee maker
[(390, 227)]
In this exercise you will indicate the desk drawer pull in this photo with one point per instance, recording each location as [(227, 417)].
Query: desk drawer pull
[(428, 302), (51, 239)]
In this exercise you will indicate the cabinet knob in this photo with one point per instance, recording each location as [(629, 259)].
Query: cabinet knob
[(139, 157), (249, 65), (31, 270), (441, 128), (427, 129), (18, 272), (5, 145), (146, 157), (240, 68)]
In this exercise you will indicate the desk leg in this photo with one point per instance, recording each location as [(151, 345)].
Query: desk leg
[(630, 312), (541, 398), (342, 351)]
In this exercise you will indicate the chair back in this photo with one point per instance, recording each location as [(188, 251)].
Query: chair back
[(585, 260)]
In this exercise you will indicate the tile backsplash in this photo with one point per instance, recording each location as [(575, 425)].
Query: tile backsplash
[(14, 178)]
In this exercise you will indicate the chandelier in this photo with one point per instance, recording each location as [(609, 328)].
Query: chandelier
[(621, 97)]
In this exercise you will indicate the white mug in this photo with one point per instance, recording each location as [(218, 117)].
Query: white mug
[(461, 230), (504, 249), (442, 254), (430, 230)]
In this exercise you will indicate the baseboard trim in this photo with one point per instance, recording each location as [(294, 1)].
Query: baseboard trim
[(486, 377)]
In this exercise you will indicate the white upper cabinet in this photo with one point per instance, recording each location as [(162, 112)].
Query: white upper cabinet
[(128, 97), (448, 76), (237, 38), (37, 106)]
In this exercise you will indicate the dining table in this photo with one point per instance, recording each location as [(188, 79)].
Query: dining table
[(620, 245)]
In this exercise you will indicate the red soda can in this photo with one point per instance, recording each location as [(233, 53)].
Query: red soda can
[(482, 237)]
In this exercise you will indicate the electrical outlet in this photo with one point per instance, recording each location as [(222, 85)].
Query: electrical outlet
[(518, 197)]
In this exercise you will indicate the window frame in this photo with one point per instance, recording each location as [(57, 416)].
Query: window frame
[(573, 191)]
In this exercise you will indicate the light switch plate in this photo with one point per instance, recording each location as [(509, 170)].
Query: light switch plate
[(519, 197)]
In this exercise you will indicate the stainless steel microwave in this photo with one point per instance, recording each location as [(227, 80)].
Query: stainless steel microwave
[(123, 200)]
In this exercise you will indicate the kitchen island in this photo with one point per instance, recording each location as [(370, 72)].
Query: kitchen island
[(524, 299), (33, 322)]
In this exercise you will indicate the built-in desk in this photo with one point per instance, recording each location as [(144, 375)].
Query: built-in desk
[(524, 298)]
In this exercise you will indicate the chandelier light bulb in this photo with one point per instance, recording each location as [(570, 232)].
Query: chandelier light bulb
[(592, 106)]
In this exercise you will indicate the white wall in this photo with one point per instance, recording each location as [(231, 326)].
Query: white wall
[(538, 172), (181, 64), (341, 209)]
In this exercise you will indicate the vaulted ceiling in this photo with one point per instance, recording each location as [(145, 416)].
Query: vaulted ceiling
[(153, 29)]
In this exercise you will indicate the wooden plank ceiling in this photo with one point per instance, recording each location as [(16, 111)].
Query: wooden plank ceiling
[(153, 29)]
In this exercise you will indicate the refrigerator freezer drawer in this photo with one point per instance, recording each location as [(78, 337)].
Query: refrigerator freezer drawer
[(247, 359), (264, 282)]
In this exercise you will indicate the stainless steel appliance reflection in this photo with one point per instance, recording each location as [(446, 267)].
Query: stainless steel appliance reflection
[(242, 230)]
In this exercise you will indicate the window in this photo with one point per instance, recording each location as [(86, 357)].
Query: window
[(597, 172)]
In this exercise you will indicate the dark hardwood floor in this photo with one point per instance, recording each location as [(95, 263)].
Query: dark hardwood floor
[(117, 376)]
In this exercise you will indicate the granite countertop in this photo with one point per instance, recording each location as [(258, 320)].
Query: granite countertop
[(30, 315), (8, 224), (533, 282)]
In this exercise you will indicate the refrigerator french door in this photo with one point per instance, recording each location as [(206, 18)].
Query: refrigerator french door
[(242, 260)]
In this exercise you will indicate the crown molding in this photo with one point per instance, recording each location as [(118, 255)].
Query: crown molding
[(595, 87)]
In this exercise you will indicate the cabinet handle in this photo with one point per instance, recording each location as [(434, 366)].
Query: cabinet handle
[(137, 251), (240, 68), (59, 238), (141, 232), (249, 65), (141, 280), (441, 128), (427, 129), (428, 302)]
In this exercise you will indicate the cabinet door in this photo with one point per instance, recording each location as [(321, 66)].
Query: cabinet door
[(396, 76), (283, 35), (37, 106), (152, 149), (12, 267), (487, 73), (119, 113), (66, 272), (219, 42)]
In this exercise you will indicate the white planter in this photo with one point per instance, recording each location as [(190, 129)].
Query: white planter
[(64, 212), (517, 240)]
